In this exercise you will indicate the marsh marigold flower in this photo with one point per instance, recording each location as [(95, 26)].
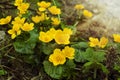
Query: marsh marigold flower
[(41, 9), (43, 17), (93, 42), (54, 10), (15, 31), (67, 31), (52, 33), (28, 27), (36, 19), (18, 20), (61, 37), (69, 52), (23, 8), (87, 14), (79, 6), (57, 57), (18, 2), (6, 20), (55, 21), (44, 37), (103, 42), (47, 36), (116, 38), (43, 5)]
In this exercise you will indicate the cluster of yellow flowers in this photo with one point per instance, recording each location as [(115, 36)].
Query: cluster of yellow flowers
[(95, 42), (85, 12), (59, 56), (60, 37), (103, 41), (6, 20), (18, 25), (43, 10), (21, 6), (39, 18)]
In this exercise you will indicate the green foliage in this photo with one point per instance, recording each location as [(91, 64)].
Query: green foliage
[(3, 72), (103, 68), (30, 58), (60, 71), (79, 56), (89, 55), (94, 56), (117, 67), (47, 48), (70, 64), (27, 46), (54, 71), (80, 45)]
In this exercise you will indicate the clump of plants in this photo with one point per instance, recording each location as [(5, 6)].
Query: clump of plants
[(45, 40)]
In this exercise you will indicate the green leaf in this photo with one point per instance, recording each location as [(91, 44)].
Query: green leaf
[(104, 69), (29, 59), (117, 67), (89, 54), (53, 71), (3, 72), (118, 78), (94, 56), (24, 47), (80, 45), (79, 56), (87, 66), (27, 46), (99, 56), (48, 48), (70, 64)]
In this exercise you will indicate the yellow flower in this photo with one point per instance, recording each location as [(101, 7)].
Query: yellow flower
[(51, 33), (27, 27), (44, 4), (61, 37), (18, 2), (23, 8), (6, 20), (69, 52), (57, 57), (67, 31), (93, 42), (116, 38), (16, 27), (43, 17), (15, 31), (41, 9), (87, 14), (55, 21), (79, 6), (36, 19), (47, 36), (18, 20), (103, 42), (54, 10)]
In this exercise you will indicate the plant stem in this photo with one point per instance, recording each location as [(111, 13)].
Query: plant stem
[(76, 23), (95, 71), (56, 5), (6, 46)]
